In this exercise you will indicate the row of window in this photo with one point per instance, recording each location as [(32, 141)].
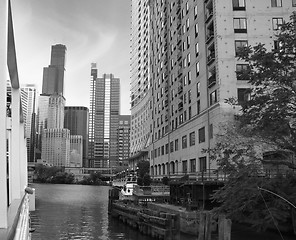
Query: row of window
[(241, 4), (240, 24), (172, 168), (174, 145)]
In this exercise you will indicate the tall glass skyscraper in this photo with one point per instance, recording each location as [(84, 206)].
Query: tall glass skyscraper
[(30, 118), (53, 75), (103, 120)]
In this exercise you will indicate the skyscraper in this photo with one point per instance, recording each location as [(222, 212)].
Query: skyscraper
[(141, 102), (103, 120), (53, 75), (30, 119), (124, 138), (53, 138), (192, 69), (76, 120)]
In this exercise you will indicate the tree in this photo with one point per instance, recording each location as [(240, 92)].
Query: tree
[(239, 156), (271, 109), (143, 168), (267, 122)]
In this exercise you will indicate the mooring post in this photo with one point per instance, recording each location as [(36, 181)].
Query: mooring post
[(201, 227), (208, 226), (224, 226), (177, 226)]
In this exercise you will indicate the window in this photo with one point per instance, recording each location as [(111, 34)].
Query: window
[(239, 5), (276, 23), (242, 71), (202, 164), (196, 29), (243, 95), (213, 97), (189, 77), (187, 24), (201, 135), (171, 146), (189, 113), (197, 48), (185, 81), (197, 69), (189, 96), (167, 148), (276, 3), (198, 107), (185, 62), (240, 25), (212, 77), (184, 46), (192, 139), (184, 142), (198, 89), (188, 41), (188, 59), (193, 165), (293, 3), (176, 145), (184, 166), (195, 11), (162, 150), (239, 44)]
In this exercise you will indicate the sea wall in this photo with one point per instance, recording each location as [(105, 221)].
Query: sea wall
[(189, 220)]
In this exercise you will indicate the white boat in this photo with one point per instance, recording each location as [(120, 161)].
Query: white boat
[(126, 193)]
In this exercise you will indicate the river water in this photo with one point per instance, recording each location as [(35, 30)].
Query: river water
[(77, 212), (65, 212)]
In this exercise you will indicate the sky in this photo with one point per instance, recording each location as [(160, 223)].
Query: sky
[(92, 30)]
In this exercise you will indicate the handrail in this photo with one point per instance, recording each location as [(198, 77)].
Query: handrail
[(13, 228)]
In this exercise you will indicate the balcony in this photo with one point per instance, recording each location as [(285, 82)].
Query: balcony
[(210, 37), (212, 81), (211, 58), (208, 16), (180, 89), (179, 56), (180, 106), (166, 103), (179, 72)]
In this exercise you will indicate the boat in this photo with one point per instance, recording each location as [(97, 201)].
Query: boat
[(127, 192)]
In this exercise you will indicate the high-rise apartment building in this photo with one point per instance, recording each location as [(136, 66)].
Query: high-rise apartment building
[(53, 75), (30, 118), (141, 103), (103, 120), (124, 138), (76, 120), (193, 69)]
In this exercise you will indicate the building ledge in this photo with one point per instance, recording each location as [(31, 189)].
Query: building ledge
[(13, 214)]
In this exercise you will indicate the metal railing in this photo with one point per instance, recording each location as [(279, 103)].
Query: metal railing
[(20, 227)]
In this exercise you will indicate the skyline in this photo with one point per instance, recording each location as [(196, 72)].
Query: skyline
[(95, 31)]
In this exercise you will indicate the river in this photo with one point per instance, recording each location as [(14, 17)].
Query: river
[(77, 212), (65, 212)]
